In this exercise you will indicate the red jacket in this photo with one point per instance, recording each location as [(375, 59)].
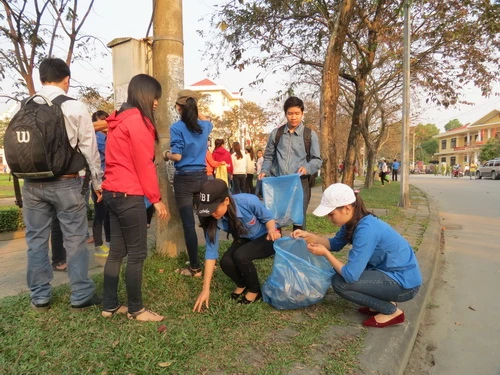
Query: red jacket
[(221, 154), (129, 158)]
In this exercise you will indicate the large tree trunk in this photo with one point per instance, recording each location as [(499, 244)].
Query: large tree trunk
[(330, 93)]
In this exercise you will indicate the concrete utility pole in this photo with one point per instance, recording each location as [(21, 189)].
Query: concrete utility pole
[(404, 200), (168, 68)]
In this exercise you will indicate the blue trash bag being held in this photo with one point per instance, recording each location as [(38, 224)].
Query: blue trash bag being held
[(298, 278), (284, 197)]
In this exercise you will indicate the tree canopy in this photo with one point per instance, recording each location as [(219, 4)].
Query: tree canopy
[(490, 150), (452, 124)]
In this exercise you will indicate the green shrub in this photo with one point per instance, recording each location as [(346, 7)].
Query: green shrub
[(11, 219)]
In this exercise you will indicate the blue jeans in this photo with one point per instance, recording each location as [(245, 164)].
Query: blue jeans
[(41, 201), (187, 186), (127, 214), (373, 289)]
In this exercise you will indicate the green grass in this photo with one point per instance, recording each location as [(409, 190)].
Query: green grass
[(226, 339), (7, 186)]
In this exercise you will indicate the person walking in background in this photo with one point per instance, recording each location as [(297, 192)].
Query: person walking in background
[(188, 142), (239, 169), (395, 169), (260, 161), (62, 195), (211, 163), (472, 170), (381, 268), (101, 216), (250, 160), (221, 154), (383, 171), (131, 176), (253, 230), (286, 151)]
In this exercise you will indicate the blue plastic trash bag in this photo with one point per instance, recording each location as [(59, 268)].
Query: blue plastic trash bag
[(147, 203), (299, 278), (284, 197)]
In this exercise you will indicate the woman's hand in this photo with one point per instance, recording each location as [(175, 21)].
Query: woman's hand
[(273, 235), (204, 297), (317, 249), (299, 233), (161, 210)]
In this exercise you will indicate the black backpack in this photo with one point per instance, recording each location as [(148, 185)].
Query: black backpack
[(36, 143), (307, 146)]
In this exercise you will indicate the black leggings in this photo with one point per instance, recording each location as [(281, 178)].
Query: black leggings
[(237, 261)]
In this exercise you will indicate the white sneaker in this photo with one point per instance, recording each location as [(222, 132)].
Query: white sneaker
[(101, 251)]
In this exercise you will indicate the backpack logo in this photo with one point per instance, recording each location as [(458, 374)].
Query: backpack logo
[(23, 136)]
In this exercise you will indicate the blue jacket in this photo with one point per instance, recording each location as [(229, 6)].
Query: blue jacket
[(377, 246), (192, 146), (251, 212)]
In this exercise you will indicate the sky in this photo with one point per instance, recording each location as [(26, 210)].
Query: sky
[(111, 19)]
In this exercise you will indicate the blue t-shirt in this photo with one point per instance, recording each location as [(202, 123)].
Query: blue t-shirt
[(251, 212), (101, 147), (191, 145), (377, 246), (395, 165)]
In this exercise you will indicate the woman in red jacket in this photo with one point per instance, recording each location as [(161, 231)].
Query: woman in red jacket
[(221, 154), (131, 176)]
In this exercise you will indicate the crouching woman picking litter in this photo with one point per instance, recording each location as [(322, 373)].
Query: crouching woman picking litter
[(253, 229), (381, 269)]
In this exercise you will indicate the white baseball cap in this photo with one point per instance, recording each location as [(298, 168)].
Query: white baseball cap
[(336, 195)]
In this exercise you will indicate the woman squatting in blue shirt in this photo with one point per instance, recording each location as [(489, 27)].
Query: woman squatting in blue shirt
[(253, 228), (381, 269)]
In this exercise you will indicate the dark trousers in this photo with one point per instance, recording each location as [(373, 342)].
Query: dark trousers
[(249, 184), (237, 261), (127, 216), (56, 242), (239, 181), (149, 213), (101, 218), (187, 188), (304, 180), (383, 177), (394, 175)]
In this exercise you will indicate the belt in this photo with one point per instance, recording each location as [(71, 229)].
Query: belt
[(66, 176)]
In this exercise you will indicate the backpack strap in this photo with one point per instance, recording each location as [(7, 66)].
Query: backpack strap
[(17, 190), (278, 135), (61, 99), (307, 143)]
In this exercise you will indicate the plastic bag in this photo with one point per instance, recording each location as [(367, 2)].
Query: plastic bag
[(299, 278), (221, 172), (284, 197)]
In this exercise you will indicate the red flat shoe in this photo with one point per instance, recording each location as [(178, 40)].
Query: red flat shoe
[(371, 322), (366, 310)]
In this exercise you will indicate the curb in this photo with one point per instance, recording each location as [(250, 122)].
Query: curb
[(387, 351)]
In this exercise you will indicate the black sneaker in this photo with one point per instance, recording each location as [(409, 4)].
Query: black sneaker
[(94, 301), (40, 306)]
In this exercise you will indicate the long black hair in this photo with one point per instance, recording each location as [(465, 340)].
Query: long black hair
[(189, 116), (237, 150), (360, 212), (142, 92), (236, 227), (250, 151)]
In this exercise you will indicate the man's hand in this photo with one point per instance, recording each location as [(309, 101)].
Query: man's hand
[(262, 175), (204, 297), (302, 171)]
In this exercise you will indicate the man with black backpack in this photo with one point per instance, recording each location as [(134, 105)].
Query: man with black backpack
[(293, 148), (48, 141)]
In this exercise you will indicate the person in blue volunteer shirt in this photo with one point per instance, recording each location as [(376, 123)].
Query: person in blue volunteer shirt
[(395, 169), (188, 142), (253, 229), (381, 268)]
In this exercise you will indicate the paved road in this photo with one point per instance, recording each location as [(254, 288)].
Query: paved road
[(460, 333)]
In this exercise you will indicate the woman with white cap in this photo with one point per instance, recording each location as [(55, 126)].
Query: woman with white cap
[(188, 142), (381, 269)]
